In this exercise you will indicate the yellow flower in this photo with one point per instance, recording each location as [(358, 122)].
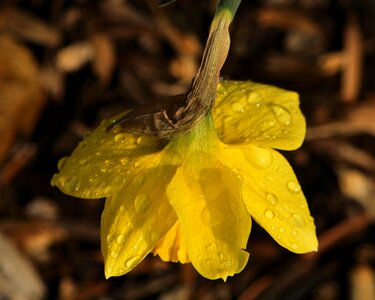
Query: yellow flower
[(191, 199)]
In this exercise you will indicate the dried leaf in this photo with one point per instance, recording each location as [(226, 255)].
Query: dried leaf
[(104, 57), (73, 57), (18, 278), (21, 95), (29, 27)]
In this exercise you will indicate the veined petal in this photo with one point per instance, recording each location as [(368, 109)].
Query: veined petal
[(104, 161), (215, 225), (172, 246), (136, 218), (261, 114), (273, 196)]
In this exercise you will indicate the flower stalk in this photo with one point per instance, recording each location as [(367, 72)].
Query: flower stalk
[(180, 113)]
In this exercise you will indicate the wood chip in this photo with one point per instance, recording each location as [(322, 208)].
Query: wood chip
[(18, 278)]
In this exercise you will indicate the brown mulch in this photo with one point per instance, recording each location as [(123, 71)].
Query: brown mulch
[(66, 65)]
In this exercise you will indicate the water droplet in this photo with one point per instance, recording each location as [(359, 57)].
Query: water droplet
[(294, 246), (208, 261), (141, 203), (116, 128), (110, 238), (293, 187), (120, 238), (120, 138), (259, 157), (124, 161), (93, 177), (253, 97), (238, 106), (132, 262), (199, 257), (121, 271), (281, 229), (212, 216), (270, 178), (83, 162), (271, 198), (212, 247), (282, 114), (287, 132), (269, 214), (114, 254), (155, 237), (62, 162), (109, 270), (107, 190), (71, 184), (294, 232), (122, 208), (136, 247), (298, 220), (273, 227), (129, 225), (226, 264)]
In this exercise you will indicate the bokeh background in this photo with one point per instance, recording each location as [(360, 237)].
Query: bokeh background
[(65, 65)]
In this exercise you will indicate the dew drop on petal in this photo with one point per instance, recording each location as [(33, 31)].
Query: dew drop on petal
[(293, 187), (226, 264), (107, 190), (116, 128), (282, 114), (253, 97), (141, 203), (110, 238), (281, 229), (237, 106), (269, 214), (120, 271), (120, 138), (71, 184), (259, 157), (294, 232), (155, 237), (132, 262), (120, 238), (271, 198), (114, 254), (294, 246), (129, 225), (62, 162), (136, 247), (83, 162), (298, 220)]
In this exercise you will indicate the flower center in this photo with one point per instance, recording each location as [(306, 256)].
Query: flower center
[(202, 138)]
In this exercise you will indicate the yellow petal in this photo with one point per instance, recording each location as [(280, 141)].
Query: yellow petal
[(215, 225), (260, 114), (103, 162), (135, 219), (172, 247), (273, 196)]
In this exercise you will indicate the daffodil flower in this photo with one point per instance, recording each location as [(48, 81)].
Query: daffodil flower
[(192, 198)]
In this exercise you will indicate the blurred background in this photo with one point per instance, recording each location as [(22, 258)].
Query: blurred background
[(66, 65)]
